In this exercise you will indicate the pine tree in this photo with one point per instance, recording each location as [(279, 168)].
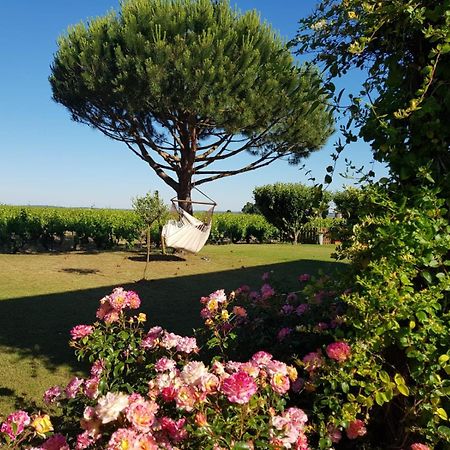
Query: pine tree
[(188, 83)]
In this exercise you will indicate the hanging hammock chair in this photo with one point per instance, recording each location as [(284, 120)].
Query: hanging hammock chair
[(188, 233)]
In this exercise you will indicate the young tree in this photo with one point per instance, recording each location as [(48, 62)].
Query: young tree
[(288, 206), (185, 84), (150, 209)]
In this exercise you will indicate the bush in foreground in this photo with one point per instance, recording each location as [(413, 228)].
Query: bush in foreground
[(148, 390)]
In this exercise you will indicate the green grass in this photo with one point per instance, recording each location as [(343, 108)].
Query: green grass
[(42, 296)]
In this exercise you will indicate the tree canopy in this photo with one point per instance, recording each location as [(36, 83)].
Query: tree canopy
[(188, 83), (397, 307), (404, 104)]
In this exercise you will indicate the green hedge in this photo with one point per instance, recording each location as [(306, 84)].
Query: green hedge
[(241, 227)]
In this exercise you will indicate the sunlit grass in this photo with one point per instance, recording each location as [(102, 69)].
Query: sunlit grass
[(43, 295)]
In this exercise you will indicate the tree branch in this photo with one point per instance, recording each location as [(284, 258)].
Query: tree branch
[(222, 174)]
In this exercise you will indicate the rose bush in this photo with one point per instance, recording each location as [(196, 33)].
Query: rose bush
[(146, 390)]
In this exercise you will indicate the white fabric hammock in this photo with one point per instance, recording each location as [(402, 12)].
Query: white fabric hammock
[(187, 233)]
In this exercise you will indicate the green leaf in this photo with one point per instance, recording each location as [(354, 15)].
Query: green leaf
[(241, 446), (427, 276), (445, 431), (422, 316), (380, 398), (399, 380), (344, 387), (443, 359), (403, 389), (325, 443), (441, 413), (124, 335), (384, 377), (445, 48)]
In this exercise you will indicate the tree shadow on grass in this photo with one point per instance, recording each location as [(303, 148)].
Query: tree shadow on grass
[(156, 257), (39, 326), (80, 270)]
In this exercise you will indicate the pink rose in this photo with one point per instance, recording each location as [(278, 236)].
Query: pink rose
[(417, 446), (152, 338), (304, 277), (141, 414), (280, 383), (239, 311), (51, 394), (287, 309), (15, 423), (169, 393), (356, 429), (133, 300), (174, 428), (81, 331), (284, 333), (118, 299), (339, 351), (74, 385), (90, 387), (334, 434), (219, 296), (123, 438), (239, 387), (261, 358), (163, 364), (84, 440), (97, 368), (267, 291), (56, 442), (301, 309), (187, 345)]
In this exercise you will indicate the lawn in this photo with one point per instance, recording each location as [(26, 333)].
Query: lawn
[(43, 295)]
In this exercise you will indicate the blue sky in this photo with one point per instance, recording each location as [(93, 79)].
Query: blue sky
[(47, 159)]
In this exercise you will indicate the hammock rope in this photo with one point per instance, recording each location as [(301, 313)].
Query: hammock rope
[(188, 233)]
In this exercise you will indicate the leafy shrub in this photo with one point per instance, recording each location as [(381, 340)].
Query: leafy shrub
[(372, 347)]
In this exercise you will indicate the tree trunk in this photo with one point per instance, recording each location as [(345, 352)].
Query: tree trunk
[(184, 192), (148, 252), (189, 139)]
